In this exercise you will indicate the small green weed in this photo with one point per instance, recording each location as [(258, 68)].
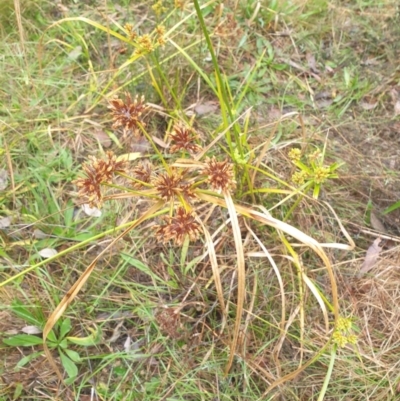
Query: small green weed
[(58, 339)]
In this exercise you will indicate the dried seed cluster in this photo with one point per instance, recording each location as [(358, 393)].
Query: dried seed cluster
[(220, 175), (183, 138), (98, 171), (178, 227), (128, 114), (173, 185), (143, 174)]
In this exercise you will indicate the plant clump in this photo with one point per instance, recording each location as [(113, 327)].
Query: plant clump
[(173, 185)]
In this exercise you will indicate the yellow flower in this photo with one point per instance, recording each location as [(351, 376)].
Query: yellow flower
[(145, 44), (321, 174), (299, 177), (314, 156), (158, 7), (343, 324), (130, 32), (294, 154), (342, 335)]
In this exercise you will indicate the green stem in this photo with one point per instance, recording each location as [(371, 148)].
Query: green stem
[(225, 106), (328, 374)]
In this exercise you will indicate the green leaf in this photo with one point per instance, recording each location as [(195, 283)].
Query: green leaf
[(65, 327), (141, 266), (82, 236), (18, 391), (184, 251), (316, 191), (69, 365), (192, 263), (88, 341), (120, 371), (25, 313), (63, 343), (279, 67), (23, 340), (392, 207), (52, 337), (22, 362), (73, 355), (69, 215)]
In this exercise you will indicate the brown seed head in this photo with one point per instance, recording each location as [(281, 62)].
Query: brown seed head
[(145, 44), (98, 171), (171, 185), (183, 138), (220, 174), (142, 172), (128, 114), (160, 30), (130, 31), (178, 227), (168, 320)]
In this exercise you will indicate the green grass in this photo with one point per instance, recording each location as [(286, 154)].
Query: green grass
[(248, 310)]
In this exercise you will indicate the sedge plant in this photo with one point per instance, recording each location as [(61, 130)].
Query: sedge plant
[(182, 182)]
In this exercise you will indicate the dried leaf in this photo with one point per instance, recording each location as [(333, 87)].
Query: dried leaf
[(141, 145), (159, 142), (323, 103), (371, 257), (274, 113), (395, 94), (376, 224), (208, 107), (11, 332), (127, 344), (371, 61), (397, 108), (47, 253), (39, 234), (31, 330), (323, 99), (3, 179), (312, 63), (5, 222), (75, 53), (129, 156), (116, 332), (368, 103), (91, 211), (62, 8), (103, 138)]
